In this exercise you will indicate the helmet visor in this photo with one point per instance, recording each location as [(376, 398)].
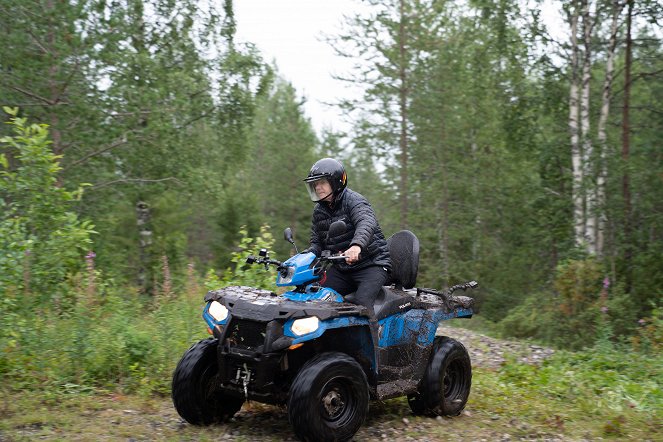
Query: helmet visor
[(318, 189)]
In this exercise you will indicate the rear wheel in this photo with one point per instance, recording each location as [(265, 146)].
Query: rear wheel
[(445, 388), (328, 400), (194, 391)]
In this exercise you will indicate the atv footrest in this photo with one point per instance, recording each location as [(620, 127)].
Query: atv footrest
[(395, 389)]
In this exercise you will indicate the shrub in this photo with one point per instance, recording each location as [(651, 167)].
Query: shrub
[(41, 238), (244, 274)]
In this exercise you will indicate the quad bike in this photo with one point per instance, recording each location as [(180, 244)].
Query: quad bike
[(312, 350)]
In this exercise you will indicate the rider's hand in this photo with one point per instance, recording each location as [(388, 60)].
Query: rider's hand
[(352, 254)]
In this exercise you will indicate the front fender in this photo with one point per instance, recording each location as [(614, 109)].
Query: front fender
[(323, 327)]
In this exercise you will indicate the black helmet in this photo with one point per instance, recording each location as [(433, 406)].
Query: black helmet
[(326, 169)]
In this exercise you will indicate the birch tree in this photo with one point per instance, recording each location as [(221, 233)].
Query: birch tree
[(573, 16), (602, 135)]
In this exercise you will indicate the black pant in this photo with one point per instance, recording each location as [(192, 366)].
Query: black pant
[(367, 282)]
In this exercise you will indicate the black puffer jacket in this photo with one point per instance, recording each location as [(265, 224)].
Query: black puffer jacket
[(362, 230)]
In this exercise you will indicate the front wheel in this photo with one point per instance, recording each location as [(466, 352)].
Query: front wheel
[(328, 399), (445, 388), (194, 391)]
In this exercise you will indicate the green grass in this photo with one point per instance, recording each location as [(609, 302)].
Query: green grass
[(587, 395), (591, 394)]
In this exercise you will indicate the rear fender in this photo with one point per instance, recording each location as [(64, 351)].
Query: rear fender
[(415, 326)]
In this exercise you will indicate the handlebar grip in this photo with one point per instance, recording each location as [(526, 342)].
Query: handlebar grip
[(251, 259)]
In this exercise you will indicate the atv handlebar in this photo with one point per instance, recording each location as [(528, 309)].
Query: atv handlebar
[(264, 259), (325, 258), (334, 258)]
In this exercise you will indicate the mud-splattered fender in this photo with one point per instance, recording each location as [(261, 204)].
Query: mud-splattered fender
[(323, 327), (415, 326)]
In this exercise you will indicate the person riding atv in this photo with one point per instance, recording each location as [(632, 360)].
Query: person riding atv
[(367, 264)]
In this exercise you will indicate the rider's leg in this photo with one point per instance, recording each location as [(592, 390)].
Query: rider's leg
[(369, 282), (339, 281)]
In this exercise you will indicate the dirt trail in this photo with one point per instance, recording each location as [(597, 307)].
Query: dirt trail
[(487, 352)]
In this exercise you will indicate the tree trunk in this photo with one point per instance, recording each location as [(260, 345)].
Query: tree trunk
[(587, 148), (442, 208), (143, 218), (602, 137), (53, 90), (626, 191), (574, 131), (403, 95)]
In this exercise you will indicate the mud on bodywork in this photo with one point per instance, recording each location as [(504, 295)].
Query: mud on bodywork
[(406, 339), (258, 352), (256, 342)]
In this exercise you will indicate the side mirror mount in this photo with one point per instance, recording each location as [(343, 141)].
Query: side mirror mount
[(287, 235)]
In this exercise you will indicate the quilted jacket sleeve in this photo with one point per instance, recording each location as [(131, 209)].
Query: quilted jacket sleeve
[(363, 217)]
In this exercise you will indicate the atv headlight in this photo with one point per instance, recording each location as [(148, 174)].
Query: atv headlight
[(305, 326), (218, 311), (287, 278)]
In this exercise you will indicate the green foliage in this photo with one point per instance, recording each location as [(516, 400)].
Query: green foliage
[(118, 343), (244, 274), (649, 336), (41, 238), (578, 284), (614, 379), (579, 314), (175, 113), (595, 393)]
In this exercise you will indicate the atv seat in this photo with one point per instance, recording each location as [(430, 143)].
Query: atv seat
[(390, 302), (404, 253)]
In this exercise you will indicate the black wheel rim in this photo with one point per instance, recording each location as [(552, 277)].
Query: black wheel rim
[(454, 380), (337, 402), (206, 384)]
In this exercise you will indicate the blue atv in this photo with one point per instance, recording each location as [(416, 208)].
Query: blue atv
[(311, 349)]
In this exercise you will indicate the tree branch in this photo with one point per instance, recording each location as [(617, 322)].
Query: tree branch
[(65, 85), (35, 96), (133, 180), (113, 145)]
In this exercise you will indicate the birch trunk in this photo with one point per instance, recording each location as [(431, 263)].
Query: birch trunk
[(574, 131), (602, 136)]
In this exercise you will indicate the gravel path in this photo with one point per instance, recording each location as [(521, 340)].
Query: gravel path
[(487, 352)]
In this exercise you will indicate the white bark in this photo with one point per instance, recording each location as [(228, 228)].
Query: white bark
[(574, 131), (587, 148)]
